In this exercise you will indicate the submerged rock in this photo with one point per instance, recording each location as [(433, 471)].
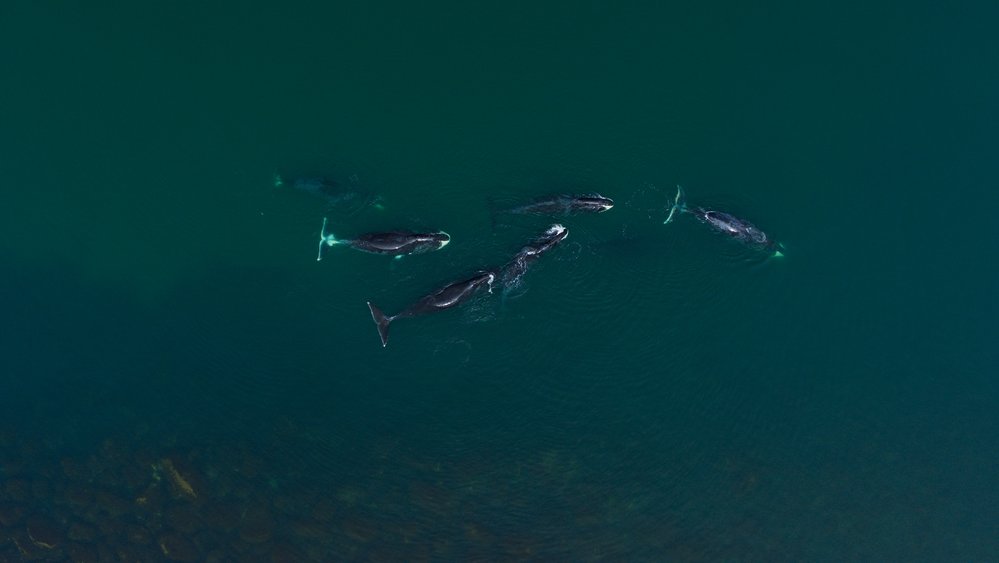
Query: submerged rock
[(44, 532), (74, 469), (179, 484), (109, 526), (310, 530), (222, 516), (78, 497), (83, 553), (178, 548), (257, 526), (18, 490), (137, 535), (111, 503), (82, 532), (10, 514), (134, 477), (287, 553), (360, 529), (27, 548)]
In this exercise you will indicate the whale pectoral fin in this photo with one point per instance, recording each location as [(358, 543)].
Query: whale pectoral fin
[(381, 321)]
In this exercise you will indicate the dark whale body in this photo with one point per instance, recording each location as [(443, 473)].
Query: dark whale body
[(392, 243), (511, 273), (445, 298), (398, 243), (566, 205)]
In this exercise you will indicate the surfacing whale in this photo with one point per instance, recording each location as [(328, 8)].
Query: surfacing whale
[(449, 296), (565, 205), (392, 243), (511, 273), (739, 229)]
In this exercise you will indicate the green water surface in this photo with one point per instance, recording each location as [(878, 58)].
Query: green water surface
[(652, 393)]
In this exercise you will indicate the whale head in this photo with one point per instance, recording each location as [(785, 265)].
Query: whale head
[(595, 203), (555, 230), (554, 234)]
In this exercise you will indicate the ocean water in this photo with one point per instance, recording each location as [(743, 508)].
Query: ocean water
[(650, 393)]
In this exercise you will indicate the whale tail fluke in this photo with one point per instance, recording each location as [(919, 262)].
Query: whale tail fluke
[(679, 204), (327, 239), (381, 321), (778, 251)]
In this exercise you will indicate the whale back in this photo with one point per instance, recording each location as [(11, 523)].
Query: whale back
[(518, 266), (400, 242), (734, 227), (590, 203), (566, 205), (449, 296)]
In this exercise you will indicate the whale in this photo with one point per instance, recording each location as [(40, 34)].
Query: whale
[(349, 198), (725, 223), (392, 243), (511, 274), (564, 204), (449, 296)]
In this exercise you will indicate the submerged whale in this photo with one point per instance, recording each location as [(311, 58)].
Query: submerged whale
[(350, 198), (444, 298), (565, 205), (392, 243), (739, 229), (511, 273)]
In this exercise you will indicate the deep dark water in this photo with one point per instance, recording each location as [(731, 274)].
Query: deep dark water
[(654, 393)]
